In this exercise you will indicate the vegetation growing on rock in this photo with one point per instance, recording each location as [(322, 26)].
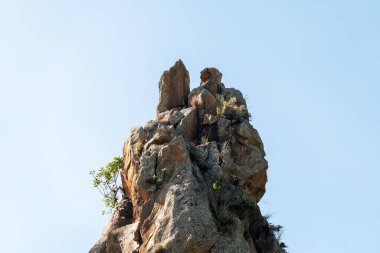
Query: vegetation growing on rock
[(231, 110), (106, 181), (138, 148), (157, 180)]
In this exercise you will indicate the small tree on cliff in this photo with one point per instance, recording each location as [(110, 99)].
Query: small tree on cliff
[(106, 180)]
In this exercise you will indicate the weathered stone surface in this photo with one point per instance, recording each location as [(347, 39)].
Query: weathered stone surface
[(251, 173), (180, 202), (176, 117), (174, 87), (193, 96), (120, 218), (204, 100), (231, 244), (211, 79), (208, 102), (231, 92), (131, 163), (164, 116), (193, 177), (247, 135), (147, 170), (188, 126), (211, 74), (123, 239), (255, 184), (159, 138), (173, 154), (224, 131)]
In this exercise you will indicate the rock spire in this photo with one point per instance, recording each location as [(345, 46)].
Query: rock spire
[(193, 176), (174, 87)]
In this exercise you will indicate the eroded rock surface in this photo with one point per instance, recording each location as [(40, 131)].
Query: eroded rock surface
[(193, 176), (174, 87)]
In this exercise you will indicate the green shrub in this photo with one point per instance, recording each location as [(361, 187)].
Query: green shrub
[(106, 180), (157, 180), (231, 110), (215, 186)]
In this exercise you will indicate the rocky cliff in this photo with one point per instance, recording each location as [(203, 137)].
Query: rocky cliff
[(193, 176)]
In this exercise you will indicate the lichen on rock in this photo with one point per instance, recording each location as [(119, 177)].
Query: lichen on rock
[(193, 176)]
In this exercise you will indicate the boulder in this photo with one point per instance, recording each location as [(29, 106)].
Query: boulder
[(164, 116), (188, 126), (211, 79), (121, 217), (207, 101), (124, 239), (174, 88), (159, 139), (176, 117), (247, 135), (204, 101)]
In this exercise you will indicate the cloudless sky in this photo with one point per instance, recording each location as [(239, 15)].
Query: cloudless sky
[(75, 76)]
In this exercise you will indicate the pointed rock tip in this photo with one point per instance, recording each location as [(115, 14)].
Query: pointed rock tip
[(174, 87), (179, 64)]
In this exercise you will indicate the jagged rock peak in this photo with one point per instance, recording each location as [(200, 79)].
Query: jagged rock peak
[(174, 87), (193, 176)]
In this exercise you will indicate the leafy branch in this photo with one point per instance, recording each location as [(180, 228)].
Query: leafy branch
[(106, 181)]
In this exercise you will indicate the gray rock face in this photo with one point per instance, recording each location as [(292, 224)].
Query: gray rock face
[(203, 99), (120, 218), (174, 87), (195, 184), (176, 117), (188, 126)]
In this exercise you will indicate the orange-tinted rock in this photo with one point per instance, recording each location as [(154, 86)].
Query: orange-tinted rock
[(174, 87), (173, 154), (131, 163), (255, 185)]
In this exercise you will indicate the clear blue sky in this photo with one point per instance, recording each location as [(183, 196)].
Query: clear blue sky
[(75, 76)]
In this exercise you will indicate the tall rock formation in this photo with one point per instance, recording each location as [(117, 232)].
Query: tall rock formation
[(195, 184), (174, 87)]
